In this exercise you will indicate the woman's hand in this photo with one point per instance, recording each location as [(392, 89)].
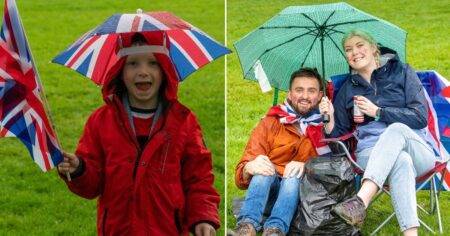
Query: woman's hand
[(366, 106)]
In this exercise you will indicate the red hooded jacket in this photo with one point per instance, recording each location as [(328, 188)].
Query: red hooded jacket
[(164, 189)]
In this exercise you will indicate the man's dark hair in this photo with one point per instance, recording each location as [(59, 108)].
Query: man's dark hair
[(307, 72)]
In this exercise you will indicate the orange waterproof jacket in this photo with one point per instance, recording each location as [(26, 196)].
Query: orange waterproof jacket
[(282, 143)]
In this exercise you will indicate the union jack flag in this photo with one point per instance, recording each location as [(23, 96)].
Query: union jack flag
[(22, 113), (438, 117), (93, 53)]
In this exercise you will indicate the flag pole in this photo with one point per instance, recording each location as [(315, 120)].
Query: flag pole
[(40, 88)]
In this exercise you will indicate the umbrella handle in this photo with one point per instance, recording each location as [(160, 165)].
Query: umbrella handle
[(326, 118)]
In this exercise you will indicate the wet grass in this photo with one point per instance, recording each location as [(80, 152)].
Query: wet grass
[(36, 203), (427, 48)]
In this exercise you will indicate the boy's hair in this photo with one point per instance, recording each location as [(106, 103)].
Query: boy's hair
[(306, 72), (138, 39)]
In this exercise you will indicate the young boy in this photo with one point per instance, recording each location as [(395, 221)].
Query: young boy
[(142, 153)]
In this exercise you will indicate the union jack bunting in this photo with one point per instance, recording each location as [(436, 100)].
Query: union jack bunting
[(22, 113), (438, 117), (93, 53)]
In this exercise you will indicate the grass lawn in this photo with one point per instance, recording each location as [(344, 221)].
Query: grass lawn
[(32, 202), (427, 48)]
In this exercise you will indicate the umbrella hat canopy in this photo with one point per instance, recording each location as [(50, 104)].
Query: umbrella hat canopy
[(94, 53), (311, 36)]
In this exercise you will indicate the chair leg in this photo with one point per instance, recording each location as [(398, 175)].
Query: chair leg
[(432, 196), (426, 226), (436, 197), (382, 224), (423, 209)]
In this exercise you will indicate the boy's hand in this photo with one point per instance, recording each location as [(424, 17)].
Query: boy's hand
[(294, 169), (260, 166), (69, 164), (204, 229)]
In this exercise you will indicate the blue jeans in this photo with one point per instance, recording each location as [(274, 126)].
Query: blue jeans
[(264, 191), (399, 156)]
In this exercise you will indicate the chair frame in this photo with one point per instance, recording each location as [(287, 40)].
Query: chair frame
[(422, 180)]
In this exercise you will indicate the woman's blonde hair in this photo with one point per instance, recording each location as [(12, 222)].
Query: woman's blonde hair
[(364, 35)]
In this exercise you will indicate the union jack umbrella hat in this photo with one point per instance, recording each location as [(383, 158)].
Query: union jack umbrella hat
[(98, 50)]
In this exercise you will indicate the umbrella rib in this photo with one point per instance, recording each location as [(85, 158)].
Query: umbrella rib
[(335, 44), (309, 18), (310, 48), (352, 22), (287, 27), (334, 30), (290, 40), (325, 23)]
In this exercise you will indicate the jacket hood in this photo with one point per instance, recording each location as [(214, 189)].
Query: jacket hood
[(113, 80), (387, 54)]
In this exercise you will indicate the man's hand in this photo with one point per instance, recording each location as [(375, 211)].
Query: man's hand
[(366, 106), (294, 169), (204, 229), (260, 166), (326, 107), (69, 164)]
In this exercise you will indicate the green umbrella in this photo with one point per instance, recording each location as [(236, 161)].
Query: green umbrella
[(309, 36)]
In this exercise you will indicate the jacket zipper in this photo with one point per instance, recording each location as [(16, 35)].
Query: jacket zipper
[(136, 163), (134, 141), (105, 213), (165, 157), (139, 151), (373, 83), (177, 220), (136, 144), (139, 154), (375, 88)]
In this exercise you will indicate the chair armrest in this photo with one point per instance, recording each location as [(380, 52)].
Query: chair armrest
[(341, 138)]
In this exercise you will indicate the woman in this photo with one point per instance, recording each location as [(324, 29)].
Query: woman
[(392, 144)]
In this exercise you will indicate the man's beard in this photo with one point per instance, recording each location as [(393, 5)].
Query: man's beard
[(296, 106)]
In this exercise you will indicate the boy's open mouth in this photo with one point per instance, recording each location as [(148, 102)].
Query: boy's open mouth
[(143, 85)]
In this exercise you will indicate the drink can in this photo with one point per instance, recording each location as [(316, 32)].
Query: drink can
[(358, 116)]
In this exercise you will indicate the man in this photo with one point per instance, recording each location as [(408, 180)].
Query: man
[(274, 158)]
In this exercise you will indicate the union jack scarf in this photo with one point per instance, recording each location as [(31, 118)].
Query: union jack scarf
[(310, 125)]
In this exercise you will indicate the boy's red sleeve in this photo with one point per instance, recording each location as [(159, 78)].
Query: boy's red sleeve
[(90, 183), (202, 200)]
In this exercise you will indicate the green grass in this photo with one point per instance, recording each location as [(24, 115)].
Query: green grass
[(37, 203), (427, 48)]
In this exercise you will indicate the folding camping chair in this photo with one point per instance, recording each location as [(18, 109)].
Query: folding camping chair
[(439, 123)]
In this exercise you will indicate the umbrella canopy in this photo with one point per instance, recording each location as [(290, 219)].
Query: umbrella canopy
[(310, 36), (95, 52)]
